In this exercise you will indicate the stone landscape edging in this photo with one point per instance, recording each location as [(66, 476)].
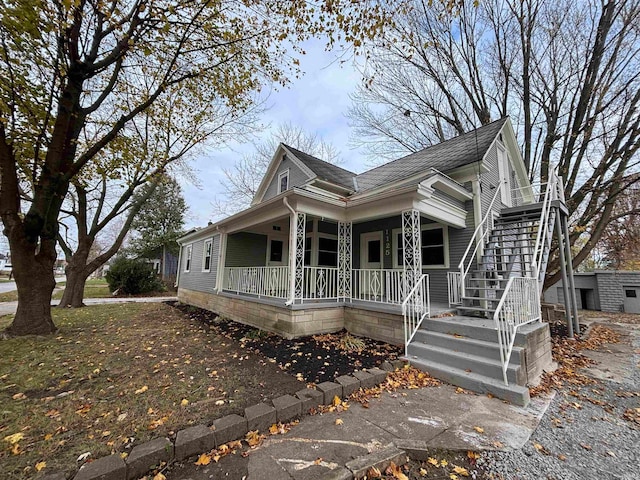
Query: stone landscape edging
[(201, 438)]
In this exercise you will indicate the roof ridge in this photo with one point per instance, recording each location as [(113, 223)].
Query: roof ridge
[(435, 145), (319, 159)]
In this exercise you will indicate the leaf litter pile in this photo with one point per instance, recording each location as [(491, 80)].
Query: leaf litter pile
[(312, 359)]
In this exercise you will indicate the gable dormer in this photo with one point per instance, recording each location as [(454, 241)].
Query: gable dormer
[(291, 168), (284, 172)]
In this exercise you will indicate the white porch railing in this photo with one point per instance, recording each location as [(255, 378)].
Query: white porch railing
[(320, 283), (519, 305), (261, 281), (454, 281), (378, 285), (415, 308)]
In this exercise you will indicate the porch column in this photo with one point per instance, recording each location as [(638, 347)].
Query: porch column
[(411, 248), (344, 260), (222, 258), (297, 236)]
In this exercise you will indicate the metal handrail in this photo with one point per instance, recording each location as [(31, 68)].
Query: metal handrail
[(513, 311), (414, 311), (477, 242), (551, 193)]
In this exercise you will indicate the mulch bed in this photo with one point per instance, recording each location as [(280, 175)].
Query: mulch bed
[(313, 359)]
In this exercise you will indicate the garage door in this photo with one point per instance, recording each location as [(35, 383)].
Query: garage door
[(631, 299)]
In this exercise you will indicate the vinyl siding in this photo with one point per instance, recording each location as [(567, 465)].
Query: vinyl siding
[(195, 278), (296, 178), (246, 250)]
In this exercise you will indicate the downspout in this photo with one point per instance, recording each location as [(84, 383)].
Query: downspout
[(292, 248), (179, 264)]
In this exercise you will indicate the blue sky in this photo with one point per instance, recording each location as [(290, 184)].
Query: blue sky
[(317, 102)]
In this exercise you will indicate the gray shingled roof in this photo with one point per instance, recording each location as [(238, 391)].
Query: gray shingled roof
[(467, 148), (324, 170)]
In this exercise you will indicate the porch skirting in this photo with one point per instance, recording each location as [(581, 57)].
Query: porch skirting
[(300, 320)]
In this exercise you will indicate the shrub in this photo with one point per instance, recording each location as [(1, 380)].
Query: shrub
[(132, 276)]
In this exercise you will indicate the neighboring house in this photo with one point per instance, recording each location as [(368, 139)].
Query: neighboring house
[(164, 262), (605, 290), (377, 253)]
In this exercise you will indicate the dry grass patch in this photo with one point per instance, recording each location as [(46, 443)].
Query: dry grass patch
[(115, 376)]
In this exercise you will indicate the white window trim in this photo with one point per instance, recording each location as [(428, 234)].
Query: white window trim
[(188, 258), (285, 250), (285, 173), (204, 255), (428, 226)]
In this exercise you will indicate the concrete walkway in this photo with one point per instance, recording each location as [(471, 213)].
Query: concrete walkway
[(422, 418), (9, 308)]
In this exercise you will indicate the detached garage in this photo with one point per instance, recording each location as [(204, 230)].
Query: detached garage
[(605, 290)]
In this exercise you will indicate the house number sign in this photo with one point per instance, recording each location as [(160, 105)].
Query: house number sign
[(387, 243)]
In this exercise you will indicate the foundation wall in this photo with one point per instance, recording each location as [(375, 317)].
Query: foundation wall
[(536, 339), (272, 318)]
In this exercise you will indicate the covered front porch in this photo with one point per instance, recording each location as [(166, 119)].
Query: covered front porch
[(307, 257)]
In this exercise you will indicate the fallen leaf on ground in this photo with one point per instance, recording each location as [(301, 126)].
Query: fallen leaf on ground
[(339, 421), (141, 390), (479, 429), (460, 471), (40, 466), (204, 459), (15, 438), (396, 471)]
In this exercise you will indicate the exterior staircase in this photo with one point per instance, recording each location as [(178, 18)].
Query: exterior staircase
[(496, 343)]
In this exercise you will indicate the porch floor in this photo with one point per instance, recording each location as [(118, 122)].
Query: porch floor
[(436, 307)]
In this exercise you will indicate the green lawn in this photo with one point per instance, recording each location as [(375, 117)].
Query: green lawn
[(11, 296), (94, 288), (114, 374)]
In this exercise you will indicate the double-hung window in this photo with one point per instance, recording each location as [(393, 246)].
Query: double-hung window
[(283, 181), (434, 247), (327, 252), (187, 262), (206, 261)]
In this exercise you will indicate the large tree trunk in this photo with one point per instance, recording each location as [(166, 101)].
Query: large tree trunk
[(35, 281), (74, 289)]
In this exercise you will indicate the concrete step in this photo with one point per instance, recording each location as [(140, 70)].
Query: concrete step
[(465, 361), (475, 298), (470, 327), (482, 348), (475, 310), (515, 394)]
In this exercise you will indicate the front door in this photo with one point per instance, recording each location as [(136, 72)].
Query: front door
[(631, 299), (277, 251), (371, 281)]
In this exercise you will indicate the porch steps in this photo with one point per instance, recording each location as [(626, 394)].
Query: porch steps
[(464, 351)]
